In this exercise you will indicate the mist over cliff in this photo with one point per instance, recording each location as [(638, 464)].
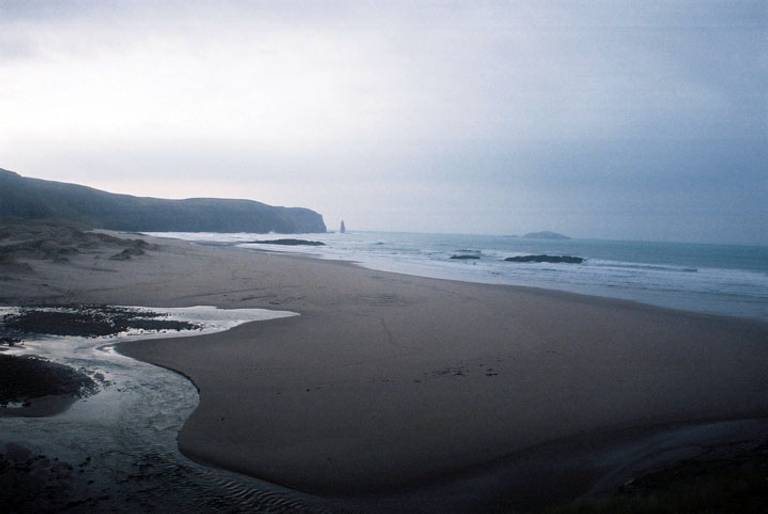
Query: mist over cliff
[(28, 198)]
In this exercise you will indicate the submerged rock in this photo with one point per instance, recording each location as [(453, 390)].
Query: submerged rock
[(567, 259), (465, 257)]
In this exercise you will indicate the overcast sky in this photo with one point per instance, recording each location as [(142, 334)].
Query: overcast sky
[(632, 120)]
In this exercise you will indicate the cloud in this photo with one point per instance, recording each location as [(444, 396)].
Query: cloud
[(454, 112)]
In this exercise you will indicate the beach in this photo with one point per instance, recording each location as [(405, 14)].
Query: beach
[(390, 390)]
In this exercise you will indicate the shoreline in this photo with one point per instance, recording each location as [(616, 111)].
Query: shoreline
[(714, 287), (574, 295), (577, 296), (379, 360), (543, 295)]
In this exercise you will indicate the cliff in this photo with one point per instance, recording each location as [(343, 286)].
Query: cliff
[(28, 198)]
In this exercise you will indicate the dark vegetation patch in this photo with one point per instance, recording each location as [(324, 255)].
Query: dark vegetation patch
[(567, 259), (25, 378)]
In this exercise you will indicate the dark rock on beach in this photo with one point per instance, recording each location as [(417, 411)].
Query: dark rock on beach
[(26, 378), (567, 259), (286, 242), (87, 321)]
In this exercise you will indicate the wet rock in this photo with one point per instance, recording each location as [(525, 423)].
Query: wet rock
[(567, 259), (25, 378), (88, 321), (287, 242)]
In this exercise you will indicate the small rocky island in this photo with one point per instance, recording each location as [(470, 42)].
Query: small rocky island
[(545, 235)]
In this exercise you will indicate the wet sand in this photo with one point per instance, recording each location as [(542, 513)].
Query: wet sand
[(387, 381)]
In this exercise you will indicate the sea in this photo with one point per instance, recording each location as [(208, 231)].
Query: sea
[(720, 279)]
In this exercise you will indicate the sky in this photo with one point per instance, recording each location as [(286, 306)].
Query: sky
[(606, 119)]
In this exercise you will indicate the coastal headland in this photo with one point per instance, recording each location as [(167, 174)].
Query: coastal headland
[(391, 386)]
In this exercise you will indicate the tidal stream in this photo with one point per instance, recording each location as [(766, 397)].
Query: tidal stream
[(121, 442)]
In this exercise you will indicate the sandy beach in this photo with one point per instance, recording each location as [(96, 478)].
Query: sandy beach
[(388, 384)]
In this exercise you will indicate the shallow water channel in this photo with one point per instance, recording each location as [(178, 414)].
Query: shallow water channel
[(121, 442)]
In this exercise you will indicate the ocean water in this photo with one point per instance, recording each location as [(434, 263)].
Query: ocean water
[(719, 279)]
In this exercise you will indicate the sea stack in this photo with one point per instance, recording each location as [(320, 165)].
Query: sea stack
[(342, 228)]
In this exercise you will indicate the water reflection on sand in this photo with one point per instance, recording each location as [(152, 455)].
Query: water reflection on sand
[(117, 449)]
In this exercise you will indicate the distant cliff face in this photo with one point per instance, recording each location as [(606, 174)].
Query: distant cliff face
[(29, 198)]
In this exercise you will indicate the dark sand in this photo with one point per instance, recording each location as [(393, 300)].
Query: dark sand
[(388, 381)]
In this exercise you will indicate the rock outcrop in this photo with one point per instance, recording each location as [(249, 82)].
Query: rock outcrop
[(567, 259), (285, 242)]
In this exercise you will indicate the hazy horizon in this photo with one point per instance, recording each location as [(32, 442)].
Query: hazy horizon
[(613, 120)]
